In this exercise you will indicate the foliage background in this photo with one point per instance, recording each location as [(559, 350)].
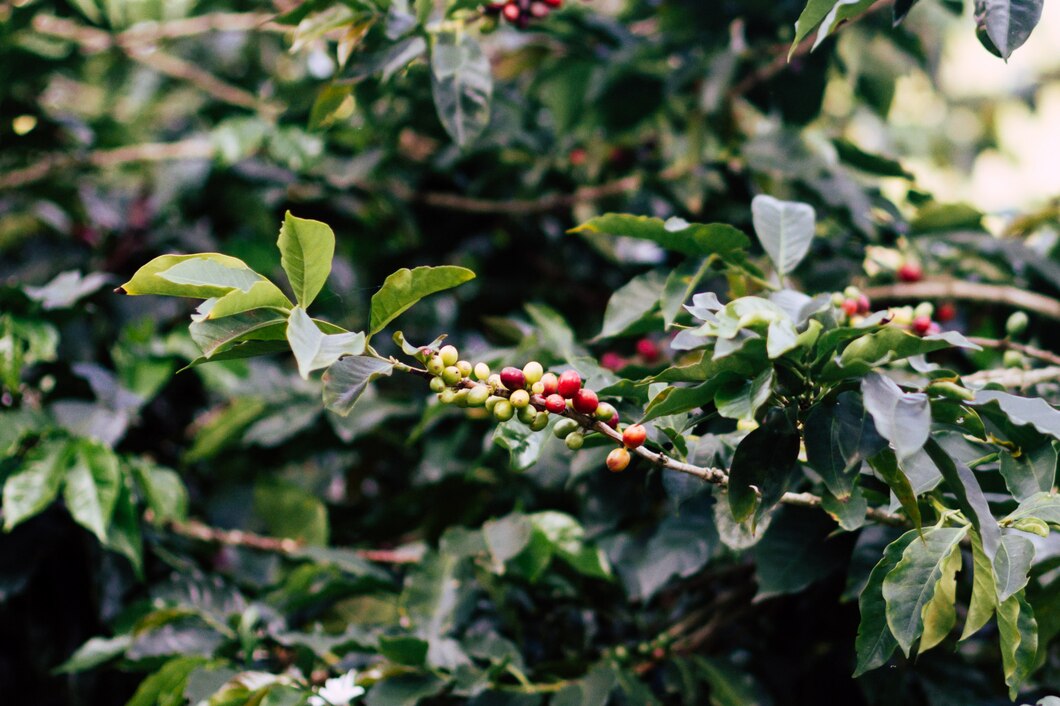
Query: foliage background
[(670, 105)]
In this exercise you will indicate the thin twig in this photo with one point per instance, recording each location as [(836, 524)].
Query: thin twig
[(1006, 345), (968, 291), (1015, 378)]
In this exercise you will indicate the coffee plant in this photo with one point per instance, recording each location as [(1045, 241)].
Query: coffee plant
[(681, 388)]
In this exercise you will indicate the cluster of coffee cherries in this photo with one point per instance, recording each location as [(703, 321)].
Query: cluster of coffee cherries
[(528, 395), (917, 319), (853, 303), (854, 306), (521, 12)]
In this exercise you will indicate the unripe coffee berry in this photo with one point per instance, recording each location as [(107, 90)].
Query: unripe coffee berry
[(464, 367), (838, 299), (482, 371), (556, 404), (564, 428), (513, 378), (437, 384), (452, 375), (503, 411), (569, 383), (1012, 359), (537, 388), (492, 401), (550, 383), (526, 415), (925, 309), (618, 460), (851, 292), (533, 372), (605, 411), (435, 366), (462, 398), (1017, 323), (494, 381), (586, 401), (863, 304), (519, 399), (540, 421), (447, 396), (634, 436), (449, 355), (575, 440), (477, 395)]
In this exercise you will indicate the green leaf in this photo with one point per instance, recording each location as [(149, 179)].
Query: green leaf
[(1022, 410), (763, 465), (461, 83), (406, 287), (912, 583), (886, 464), (741, 399), (307, 248), (680, 284), (875, 644), (984, 590), (1018, 631), (289, 511), (693, 239), (568, 542), (315, 350), (347, 379), (1044, 506), (162, 490), (166, 686), (632, 305), (795, 552), (839, 435), (124, 535), (93, 482), (961, 481), (403, 649), (215, 336), (785, 229), (1012, 565), (940, 613), (333, 103), (1008, 23), (524, 446), (811, 17), (678, 400), (66, 289), (842, 11), (946, 217), (199, 276), (890, 343), (1030, 472), (262, 294), (94, 653), (33, 487), (404, 690), (904, 419)]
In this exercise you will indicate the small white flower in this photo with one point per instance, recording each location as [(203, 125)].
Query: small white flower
[(339, 691)]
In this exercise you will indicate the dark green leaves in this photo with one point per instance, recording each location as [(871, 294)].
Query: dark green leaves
[(306, 250), (692, 239), (762, 466), (1008, 23), (462, 84), (875, 644), (1019, 640), (839, 435), (1022, 410), (346, 381), (785, 229), (406, 287)]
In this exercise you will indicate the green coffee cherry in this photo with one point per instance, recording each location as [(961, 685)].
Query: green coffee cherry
[(838, 299), (437, 384), (492, 401), (575, 440), (449, 355), (503, 410), (519, 399), (447, 396), (526, 415), (926, 309), (477, 395), (850, 292), (464, 367), (533, 372), (482, 372), (452, 375), (540, 421), (605, 411), (462, 398), (494, 381), (1013, 359), (1017, 324), (435, 366), (564, 428)]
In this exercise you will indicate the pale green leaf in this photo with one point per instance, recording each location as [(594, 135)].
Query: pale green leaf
[(315, 350), (347, 379), (461, 83), (694, 239), (940, 613), (33, 487), (785, 229), (1012, 565), (307, 248), (262, 294), (406, 287), (1018, 631), (148, 279), (92, 485), (875, 644), (984, 592)]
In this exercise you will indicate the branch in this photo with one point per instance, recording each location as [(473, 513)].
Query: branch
[(1015, 378), (1007, 345), (968, 291), (193, 529)]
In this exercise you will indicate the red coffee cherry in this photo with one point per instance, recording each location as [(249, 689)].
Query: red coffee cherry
[(555, 403), (553, 3), (549, 383), (634, 436), (647, 350), (850, 307), (586, 401), (910, 272), (569, 383), (618, 460), (946, 312), (921, 325), (511, 12), (863, 304), (611, 361), (613, 421), (513, 378)]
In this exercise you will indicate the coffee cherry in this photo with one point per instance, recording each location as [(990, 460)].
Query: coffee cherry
[(526, 415), (437, 384), (575, 440), (605, 411), (553, 3), (503, 411), (586, 401), (565, 427), (569, 383), (449, 355), (494, 381), (482, 371), (538, 9), (447, 396), (555, 404), (537, 388), (618, 460), (464, 367), (513, 378), (511, 12), (519, 399), (435, 365), (921, 325), (850, 307), (477, 395), (613, 421), (1012, 359), (452, 375), (838, 299), (492, 401), (578, 155), (1017, 323), (550, 383), (925, 309), (533, 372), (647, 350), (863, 304), (462, 398), (634, 436), (947, 312), (851, 292), (611, 361), (540, 421), (910, 272)]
